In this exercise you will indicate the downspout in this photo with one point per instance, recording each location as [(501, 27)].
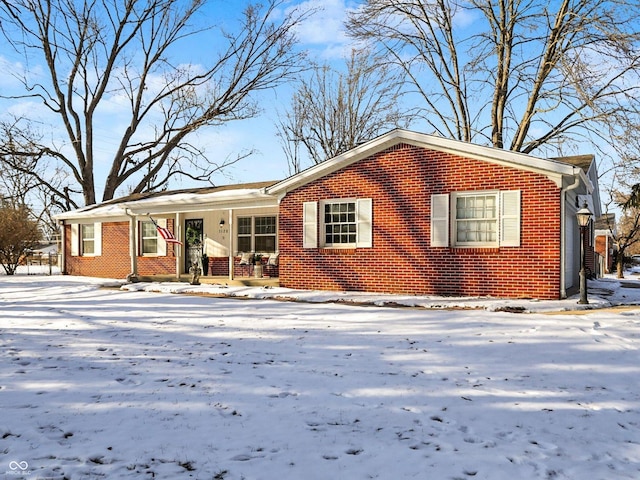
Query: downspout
[(563, 234), (133, 276)]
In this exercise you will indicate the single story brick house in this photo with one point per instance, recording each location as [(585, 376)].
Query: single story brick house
[(403, 213)]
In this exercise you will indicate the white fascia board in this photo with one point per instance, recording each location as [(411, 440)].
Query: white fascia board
[(112, 213), (491, 154), (553, 169), (169, 204), (93, 219)]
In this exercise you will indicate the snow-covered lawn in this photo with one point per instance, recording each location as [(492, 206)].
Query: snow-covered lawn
[(109, 383)]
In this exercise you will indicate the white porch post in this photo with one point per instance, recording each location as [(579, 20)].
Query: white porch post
[(176, 246), (132, 246), (231, 272), (62, 251)]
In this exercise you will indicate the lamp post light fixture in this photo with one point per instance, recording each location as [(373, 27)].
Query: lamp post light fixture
[(583, 216)]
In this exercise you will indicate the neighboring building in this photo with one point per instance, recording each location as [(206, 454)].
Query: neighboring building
[(404, 213), (604, 243)]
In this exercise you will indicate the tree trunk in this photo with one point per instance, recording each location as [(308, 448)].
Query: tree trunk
[(620, 267)]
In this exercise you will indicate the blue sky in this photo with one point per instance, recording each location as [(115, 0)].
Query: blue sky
[(324, 37)]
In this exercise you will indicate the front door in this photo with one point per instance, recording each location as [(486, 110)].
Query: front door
[(194, 241)]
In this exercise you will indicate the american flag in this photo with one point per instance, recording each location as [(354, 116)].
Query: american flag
[(166, 234)]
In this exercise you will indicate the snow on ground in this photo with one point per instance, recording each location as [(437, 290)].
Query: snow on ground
[(114, 383)]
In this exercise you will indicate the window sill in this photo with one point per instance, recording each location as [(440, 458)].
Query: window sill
[(337, 251), (471, 250)]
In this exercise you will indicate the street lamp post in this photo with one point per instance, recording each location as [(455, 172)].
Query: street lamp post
[(583, 216)]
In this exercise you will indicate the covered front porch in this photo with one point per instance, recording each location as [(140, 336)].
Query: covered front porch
[(216, 230), (215, 280)]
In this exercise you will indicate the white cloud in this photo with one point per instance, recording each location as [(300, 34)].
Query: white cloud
[(10, 71), (13, 71), (325, 28)]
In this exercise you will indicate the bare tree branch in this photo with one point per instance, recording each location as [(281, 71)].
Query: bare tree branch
[(101, 51), (332, 112), (528, 76)]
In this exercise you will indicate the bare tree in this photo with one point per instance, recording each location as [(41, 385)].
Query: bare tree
[(97, 52), (332, 112), (626, 233), (19, 233), (29, 179), (521, 75)]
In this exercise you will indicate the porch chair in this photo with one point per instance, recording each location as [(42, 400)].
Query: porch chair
[(271, 268), (246, 260)]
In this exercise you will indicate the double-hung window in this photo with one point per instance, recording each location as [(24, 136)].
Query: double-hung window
[(476, 219), (244, 234), (265, 236), (257, 234), (88, 239), (150, 242), (338, 223), (148, 238)]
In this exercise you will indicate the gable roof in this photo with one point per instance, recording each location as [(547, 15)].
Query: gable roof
[(553, 168), (582, 161)]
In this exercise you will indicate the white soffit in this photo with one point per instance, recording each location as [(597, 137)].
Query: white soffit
[(188, 202)]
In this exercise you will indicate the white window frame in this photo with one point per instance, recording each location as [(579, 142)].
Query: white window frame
[(155, 237), (273, 234), (85, 240), (324, 223), (245, 235), (161, 244), (253, 235), (78, 239), (494, 221)]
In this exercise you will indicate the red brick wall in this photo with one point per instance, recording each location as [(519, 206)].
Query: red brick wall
[(115, 261), (401, 181), (219, 266), (603, 248)]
